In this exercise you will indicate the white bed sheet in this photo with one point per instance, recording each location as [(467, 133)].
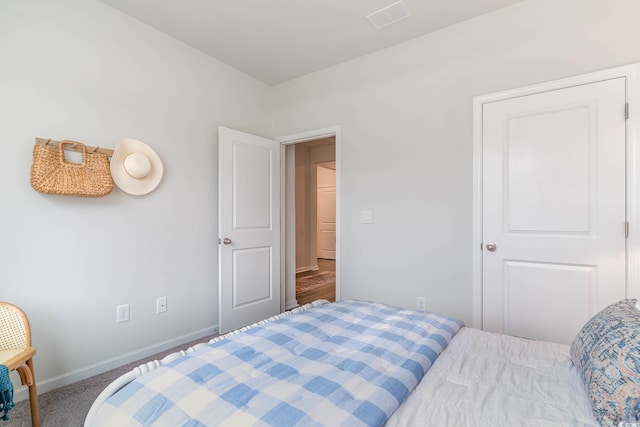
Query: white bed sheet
[(485, 379)]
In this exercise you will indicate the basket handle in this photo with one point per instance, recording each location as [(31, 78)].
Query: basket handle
[(83, 149)]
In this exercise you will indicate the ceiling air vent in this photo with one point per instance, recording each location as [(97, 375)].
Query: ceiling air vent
[(389, 15)]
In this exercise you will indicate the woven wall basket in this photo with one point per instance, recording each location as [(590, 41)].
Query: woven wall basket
[(52, 174)]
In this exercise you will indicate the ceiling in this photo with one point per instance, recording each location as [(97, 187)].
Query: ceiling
[(278, 40)]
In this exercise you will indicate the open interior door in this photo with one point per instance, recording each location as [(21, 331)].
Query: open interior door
[(249, 228)]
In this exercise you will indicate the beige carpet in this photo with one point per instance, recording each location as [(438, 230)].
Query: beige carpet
[(68, 406)]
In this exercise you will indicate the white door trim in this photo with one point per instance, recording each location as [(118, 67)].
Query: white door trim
[(287, 255), (631, 73)]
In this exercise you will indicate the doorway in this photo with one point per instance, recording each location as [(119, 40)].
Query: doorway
[(265, 194), (289, 219), (315, 225)]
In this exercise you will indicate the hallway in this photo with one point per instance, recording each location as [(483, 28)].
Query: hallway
[(320, 284)]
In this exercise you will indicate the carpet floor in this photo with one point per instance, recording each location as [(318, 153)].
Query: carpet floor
[(68, 406)]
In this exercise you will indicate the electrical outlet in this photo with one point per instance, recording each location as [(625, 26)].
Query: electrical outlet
[(161, 305), (122, 313), (421, 303)]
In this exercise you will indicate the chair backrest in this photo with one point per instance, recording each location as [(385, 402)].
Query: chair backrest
[(15, 331)]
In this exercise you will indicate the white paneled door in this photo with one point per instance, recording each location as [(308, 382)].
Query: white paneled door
[(249, 228), (553, 195), (326, 208)]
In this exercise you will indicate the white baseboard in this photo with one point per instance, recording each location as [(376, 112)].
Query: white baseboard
[(307, 268), (21, 393)]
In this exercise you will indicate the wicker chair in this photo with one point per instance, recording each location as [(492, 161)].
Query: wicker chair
[(16, 351)]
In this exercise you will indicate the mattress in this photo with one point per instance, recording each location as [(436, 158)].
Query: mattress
[(348, 363), (486, 379)]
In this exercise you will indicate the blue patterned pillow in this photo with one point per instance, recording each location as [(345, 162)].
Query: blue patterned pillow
[(607, 354)]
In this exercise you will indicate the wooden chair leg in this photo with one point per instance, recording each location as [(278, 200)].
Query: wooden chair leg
[(28, 378), (33, 397)]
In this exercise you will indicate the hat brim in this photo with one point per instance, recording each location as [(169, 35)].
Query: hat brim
[(126, 182)]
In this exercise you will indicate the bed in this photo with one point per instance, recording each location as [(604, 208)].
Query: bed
[(356, 363)]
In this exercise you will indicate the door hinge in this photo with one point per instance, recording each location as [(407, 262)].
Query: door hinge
[(626, 111), (626, 229)]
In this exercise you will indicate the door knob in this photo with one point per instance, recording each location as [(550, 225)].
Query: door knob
[(226, 241), (491, 247)]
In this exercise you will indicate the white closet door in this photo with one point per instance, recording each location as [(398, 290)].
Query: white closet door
[(553, 209), (326, 209)]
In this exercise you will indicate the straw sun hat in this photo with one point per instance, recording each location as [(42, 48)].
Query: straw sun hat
[(135, 167)]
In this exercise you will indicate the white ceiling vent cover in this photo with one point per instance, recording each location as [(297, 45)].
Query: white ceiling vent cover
[(389, 15)]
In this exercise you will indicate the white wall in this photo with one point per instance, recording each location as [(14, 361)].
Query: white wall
[(80, 70), (406, 135)]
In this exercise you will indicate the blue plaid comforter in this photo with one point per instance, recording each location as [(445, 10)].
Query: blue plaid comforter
[(348, 363)]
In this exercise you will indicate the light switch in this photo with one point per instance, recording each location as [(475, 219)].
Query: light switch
[(366, 217)]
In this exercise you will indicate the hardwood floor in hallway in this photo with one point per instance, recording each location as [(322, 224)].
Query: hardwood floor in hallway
[(320, 284)]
